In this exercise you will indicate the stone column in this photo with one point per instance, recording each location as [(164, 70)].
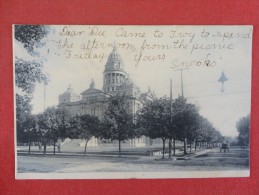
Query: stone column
[(117, 78), (113, 78), (121, 78)]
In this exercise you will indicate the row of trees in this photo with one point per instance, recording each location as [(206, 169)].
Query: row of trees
[(176, 120), (160, 118), (58, 123)]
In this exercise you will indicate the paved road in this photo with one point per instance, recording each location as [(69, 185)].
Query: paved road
[(236, 159)]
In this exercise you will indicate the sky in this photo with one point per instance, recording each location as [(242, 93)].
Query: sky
[(162, 51)]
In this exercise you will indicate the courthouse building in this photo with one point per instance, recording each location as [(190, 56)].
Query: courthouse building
[(94, 101)]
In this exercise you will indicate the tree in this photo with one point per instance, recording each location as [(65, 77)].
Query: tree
[(85, 127), (177, 106), (28, 72), (30, 36), (30, 131), (118, 121), (155, 118), (217, 137), (43, 131), (243, 127), (204, 131), (23, 110), (186, 121), (54, 124)]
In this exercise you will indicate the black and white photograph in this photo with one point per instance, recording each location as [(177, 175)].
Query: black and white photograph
[(132, 101)]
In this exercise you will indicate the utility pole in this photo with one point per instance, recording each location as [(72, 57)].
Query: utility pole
[(171, 120), (185, 139), (181, 79)]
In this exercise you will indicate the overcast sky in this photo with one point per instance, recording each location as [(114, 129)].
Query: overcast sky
[(200, 83)]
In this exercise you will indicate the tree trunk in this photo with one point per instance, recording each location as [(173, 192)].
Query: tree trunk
[(59, 147), (40, 145), (29, 146), (174, 147), (190, 146), (86, 141), (45, 147), (54, 147), (185, 146), (195, 145), (119, 148), (170, 148), (163, 148)]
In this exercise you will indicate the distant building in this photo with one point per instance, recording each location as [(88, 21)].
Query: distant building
[(95, 101)]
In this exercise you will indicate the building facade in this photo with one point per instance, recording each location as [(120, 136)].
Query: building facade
[(94, 101)]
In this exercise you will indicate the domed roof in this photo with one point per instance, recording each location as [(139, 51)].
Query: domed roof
[(69, 91), (114, 61), (68, 96)]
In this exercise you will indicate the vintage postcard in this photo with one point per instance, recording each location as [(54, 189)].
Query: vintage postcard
[(122, 101)]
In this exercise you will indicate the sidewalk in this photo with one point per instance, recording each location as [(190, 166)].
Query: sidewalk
[(197, 153)]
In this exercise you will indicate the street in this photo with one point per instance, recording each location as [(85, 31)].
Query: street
[(210, 160)]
